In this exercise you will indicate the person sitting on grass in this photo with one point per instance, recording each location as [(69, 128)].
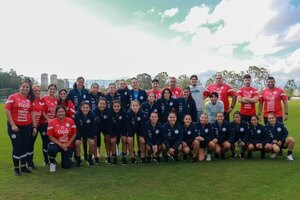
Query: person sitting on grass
[(62, 133), (279, 137)]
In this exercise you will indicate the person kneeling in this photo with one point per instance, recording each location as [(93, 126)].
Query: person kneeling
[(62, 132)]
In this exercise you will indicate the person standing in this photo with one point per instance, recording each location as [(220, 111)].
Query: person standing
[(176, 91), (248, 97), (199, 93), (270, 99), (224, 91), (79, 93), (155, 90), (18, 110)]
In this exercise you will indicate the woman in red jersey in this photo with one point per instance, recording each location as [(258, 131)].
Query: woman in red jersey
[(18, 110), (62, 132), (67, 103)]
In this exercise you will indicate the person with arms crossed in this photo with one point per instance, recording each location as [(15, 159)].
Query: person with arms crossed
[(155, 90), (176, 91)]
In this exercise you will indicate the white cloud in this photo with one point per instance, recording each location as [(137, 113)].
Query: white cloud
[(293, 33), (170, 12), (197, 16), (226, 50)]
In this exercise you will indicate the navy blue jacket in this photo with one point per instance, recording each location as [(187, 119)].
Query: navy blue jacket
[(110, 99), (205, 131), (102, 120), (165, 107), (117, 123), (258, 134), (239, 132), (77, 97), (222, 131), (278, 132), (94, 99), (142, 96), (124, 96), (186, 107), (153, 135), (148, 109), (190, 133), (86, 125), (172, 136), (135, 122)]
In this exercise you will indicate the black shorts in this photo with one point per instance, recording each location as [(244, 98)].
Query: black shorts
[(84, 135), (203, 144), (246, 118)]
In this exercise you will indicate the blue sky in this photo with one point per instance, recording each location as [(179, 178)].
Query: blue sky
[(101, 39)]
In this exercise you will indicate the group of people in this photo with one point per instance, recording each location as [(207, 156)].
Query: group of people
[(165, 123)]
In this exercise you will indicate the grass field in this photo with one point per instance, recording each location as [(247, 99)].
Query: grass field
[(229, 179)]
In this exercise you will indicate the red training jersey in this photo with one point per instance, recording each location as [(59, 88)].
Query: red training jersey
[(20, 107), (272, 100), (62, 131), (176, 92), (38, 108), (50, 106), (247, 108), (157, 93), (224, 91)]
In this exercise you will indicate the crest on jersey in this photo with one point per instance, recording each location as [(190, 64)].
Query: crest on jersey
[(44, 133), (171, 103), (67, 125), (141, 97), (138, 118), (258, 131), (206, 130), (224, 129), (27, 100), (176, 131), (242, 129), (125, 93), (157, 131), (104, 116), (84, 96), (88, 121), (120, 117), (189, 132), (278, 129), (13, 136)]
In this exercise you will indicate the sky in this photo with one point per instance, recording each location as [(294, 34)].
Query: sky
[(100, 39)]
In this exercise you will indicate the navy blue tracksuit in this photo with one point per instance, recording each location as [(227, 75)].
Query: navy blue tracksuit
[(189, 134), (153, 134), (86, 125), (141, 95), (135, 122), (78, 96), (165, 107), (239, 132), (278, 132), (221, 132), (172, 136), (117, 124), (258, 134), (186, 107), (124, 97), (148, 109)]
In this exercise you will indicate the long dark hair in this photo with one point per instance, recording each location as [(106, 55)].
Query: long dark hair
[(60, 101), (30, 93), (75, 84)]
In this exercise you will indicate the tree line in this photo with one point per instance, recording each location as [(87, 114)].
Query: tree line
[(9, 81)]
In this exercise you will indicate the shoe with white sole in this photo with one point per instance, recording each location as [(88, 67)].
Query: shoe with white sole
[(290, 158), (52, 167), (208, 157), (272, 155)]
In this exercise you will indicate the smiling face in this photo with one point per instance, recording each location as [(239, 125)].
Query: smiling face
[(63, 95), (36, 91), (254, 121), (203, 119), (24, 89), (52, 91), (166, 94), (194, 81), (172, 119), (186, 93), (102, 105), (61, 113), (219, 79), (94, 88), (220, 118), (247, 82), (187, 120), (271, 83), (271, 119), (135, 107), (122, 85), (153, 118), (116, 107), (80, 83), (112, 89), (237, 118), (135, 84), (155, 85), (151, 98), (172, 82), (85, 108)]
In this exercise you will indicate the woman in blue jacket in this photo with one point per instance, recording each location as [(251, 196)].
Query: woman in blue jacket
[(186, 105), (173, 134), (166, 104), (86, 129)]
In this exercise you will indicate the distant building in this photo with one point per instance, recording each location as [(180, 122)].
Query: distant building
[(44, 80), (66, 83), (53, 78)]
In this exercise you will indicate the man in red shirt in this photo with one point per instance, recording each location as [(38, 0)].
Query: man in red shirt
[(248, 97), (224, 91), (155, 90), (271, 98), (176, 91)]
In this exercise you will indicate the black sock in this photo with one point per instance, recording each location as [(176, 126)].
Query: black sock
[(123, 154), (289, 152)]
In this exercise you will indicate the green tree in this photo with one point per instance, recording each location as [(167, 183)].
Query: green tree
[(163, 78), (290, 87), (259, 75), (183, 81), (145, 81)]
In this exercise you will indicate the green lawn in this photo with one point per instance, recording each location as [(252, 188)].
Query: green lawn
[(248, 179)]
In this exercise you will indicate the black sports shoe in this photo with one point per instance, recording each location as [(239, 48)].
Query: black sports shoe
[(233, 155), (262, 155), (194, 160), (97, 161), (86, 158), (143, 160), (90, 162), (17, 171), (139, 154), (158, 159), (249, 155), (24, 169), (223, 156), (78, 161), (115, 160), (149, 159), (242, 156), (31, 166), (108, 161), (133, 161), (124, 161), (166, 158), (176, 158), (184, 157)]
